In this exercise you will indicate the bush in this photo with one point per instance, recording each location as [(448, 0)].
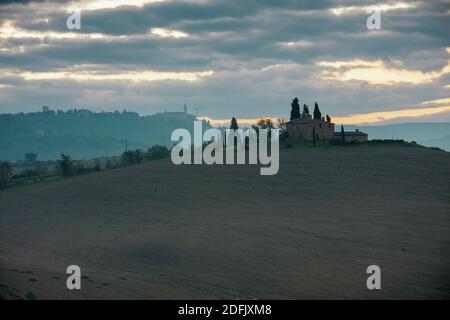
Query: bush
[(5, 169), (65, 165), (5, 173), (132, 157), (29, 173), (387, 141), (78, 167), (97, 166), (156, 152)]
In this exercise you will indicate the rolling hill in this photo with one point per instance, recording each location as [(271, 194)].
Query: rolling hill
[(157, 230), (85, 134)]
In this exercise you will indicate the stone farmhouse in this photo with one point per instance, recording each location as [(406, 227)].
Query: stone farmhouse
[(319, 128), (306, 127)]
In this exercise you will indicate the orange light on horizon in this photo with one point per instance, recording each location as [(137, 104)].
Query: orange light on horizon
[(376, 117), (353, 119)]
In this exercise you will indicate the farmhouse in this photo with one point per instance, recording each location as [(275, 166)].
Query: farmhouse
[(352, 136), (304, 126)]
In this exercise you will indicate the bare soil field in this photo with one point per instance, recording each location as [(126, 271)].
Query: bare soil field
[(160, 231)]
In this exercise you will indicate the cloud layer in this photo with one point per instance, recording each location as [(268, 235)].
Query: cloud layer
[(225, 57)]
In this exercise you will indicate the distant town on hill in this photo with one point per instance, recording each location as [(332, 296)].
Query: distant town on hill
[(85, 134)]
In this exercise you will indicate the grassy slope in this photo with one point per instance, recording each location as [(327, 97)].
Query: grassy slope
[(160, 231)]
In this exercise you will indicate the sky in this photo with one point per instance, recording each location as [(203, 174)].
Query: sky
[(224, 58)]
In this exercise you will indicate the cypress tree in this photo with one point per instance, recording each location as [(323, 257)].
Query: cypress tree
[(305, 111), (295, 109), (234, 125), (317, 113)]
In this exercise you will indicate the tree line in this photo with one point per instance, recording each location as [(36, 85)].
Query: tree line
[(67, 166), (296, 114)]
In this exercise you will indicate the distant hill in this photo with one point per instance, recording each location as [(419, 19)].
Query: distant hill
[(428, 134), (85, 134)]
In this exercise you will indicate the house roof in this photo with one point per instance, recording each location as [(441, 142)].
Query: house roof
[(306, 121)]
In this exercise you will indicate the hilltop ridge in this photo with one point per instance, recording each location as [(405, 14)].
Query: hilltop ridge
[(85, 134)]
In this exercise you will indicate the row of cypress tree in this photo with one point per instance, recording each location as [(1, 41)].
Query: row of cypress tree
[(295, 111)]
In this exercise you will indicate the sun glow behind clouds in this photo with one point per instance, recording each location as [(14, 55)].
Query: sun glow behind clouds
[(437, 101), (296, 44), (376, 72), (8, 30), (96, 75), (383, 7), (167, 33), (376, 117), (355, 119)]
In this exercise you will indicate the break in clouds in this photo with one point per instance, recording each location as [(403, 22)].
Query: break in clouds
[(227, 57)]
